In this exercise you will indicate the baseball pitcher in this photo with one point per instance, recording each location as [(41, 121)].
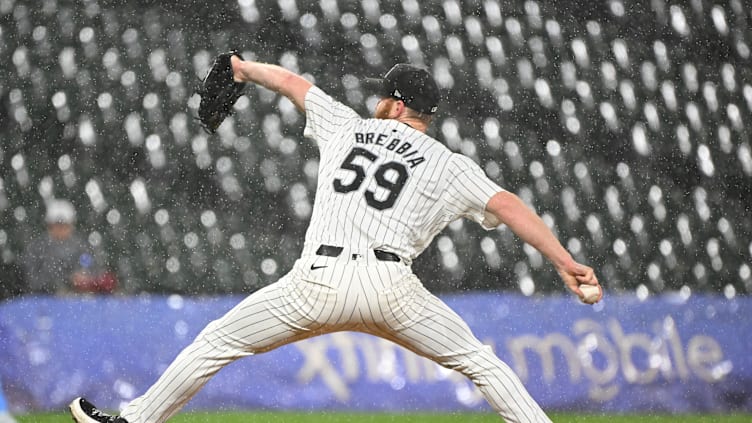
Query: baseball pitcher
[(385, 189)]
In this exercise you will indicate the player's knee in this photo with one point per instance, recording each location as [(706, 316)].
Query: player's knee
[(214, 336), (209, 331), (478, 365)]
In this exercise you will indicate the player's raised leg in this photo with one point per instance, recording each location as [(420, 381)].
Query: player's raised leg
[(278, 314), (263, 321)]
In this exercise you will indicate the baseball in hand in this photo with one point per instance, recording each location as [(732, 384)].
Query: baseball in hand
[(590, 292)]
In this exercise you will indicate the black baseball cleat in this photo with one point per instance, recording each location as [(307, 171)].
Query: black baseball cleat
[(84, 412)]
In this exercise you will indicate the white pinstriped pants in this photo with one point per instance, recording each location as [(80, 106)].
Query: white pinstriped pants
[(380, 298)]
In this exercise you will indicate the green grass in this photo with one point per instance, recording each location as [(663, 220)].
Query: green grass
[(319, 417)]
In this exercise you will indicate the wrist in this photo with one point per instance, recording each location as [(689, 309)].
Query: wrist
[(563, 261), (237, 68)]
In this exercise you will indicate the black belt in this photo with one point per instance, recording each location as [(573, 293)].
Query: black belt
[(332, 251)]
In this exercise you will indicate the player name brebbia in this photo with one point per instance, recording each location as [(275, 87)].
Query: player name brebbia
[(403, 148)]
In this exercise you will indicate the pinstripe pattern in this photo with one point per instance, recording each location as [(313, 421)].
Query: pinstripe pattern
[(440, 189), (354, 291)]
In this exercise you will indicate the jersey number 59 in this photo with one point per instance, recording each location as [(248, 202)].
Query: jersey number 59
[(393, 183)]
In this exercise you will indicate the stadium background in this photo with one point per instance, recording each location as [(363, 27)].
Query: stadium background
[(625, 124)]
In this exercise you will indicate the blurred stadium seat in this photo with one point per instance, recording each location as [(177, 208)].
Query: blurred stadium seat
[(626, 126)]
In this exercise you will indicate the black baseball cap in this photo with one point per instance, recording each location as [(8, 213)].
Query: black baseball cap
[(413, 85)]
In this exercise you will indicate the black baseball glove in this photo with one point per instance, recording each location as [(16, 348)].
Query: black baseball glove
[(218, 92)]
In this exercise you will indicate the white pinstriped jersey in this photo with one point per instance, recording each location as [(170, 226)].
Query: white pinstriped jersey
[(384, 185)]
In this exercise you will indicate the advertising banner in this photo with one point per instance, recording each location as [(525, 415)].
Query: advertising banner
[(663, 354)]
